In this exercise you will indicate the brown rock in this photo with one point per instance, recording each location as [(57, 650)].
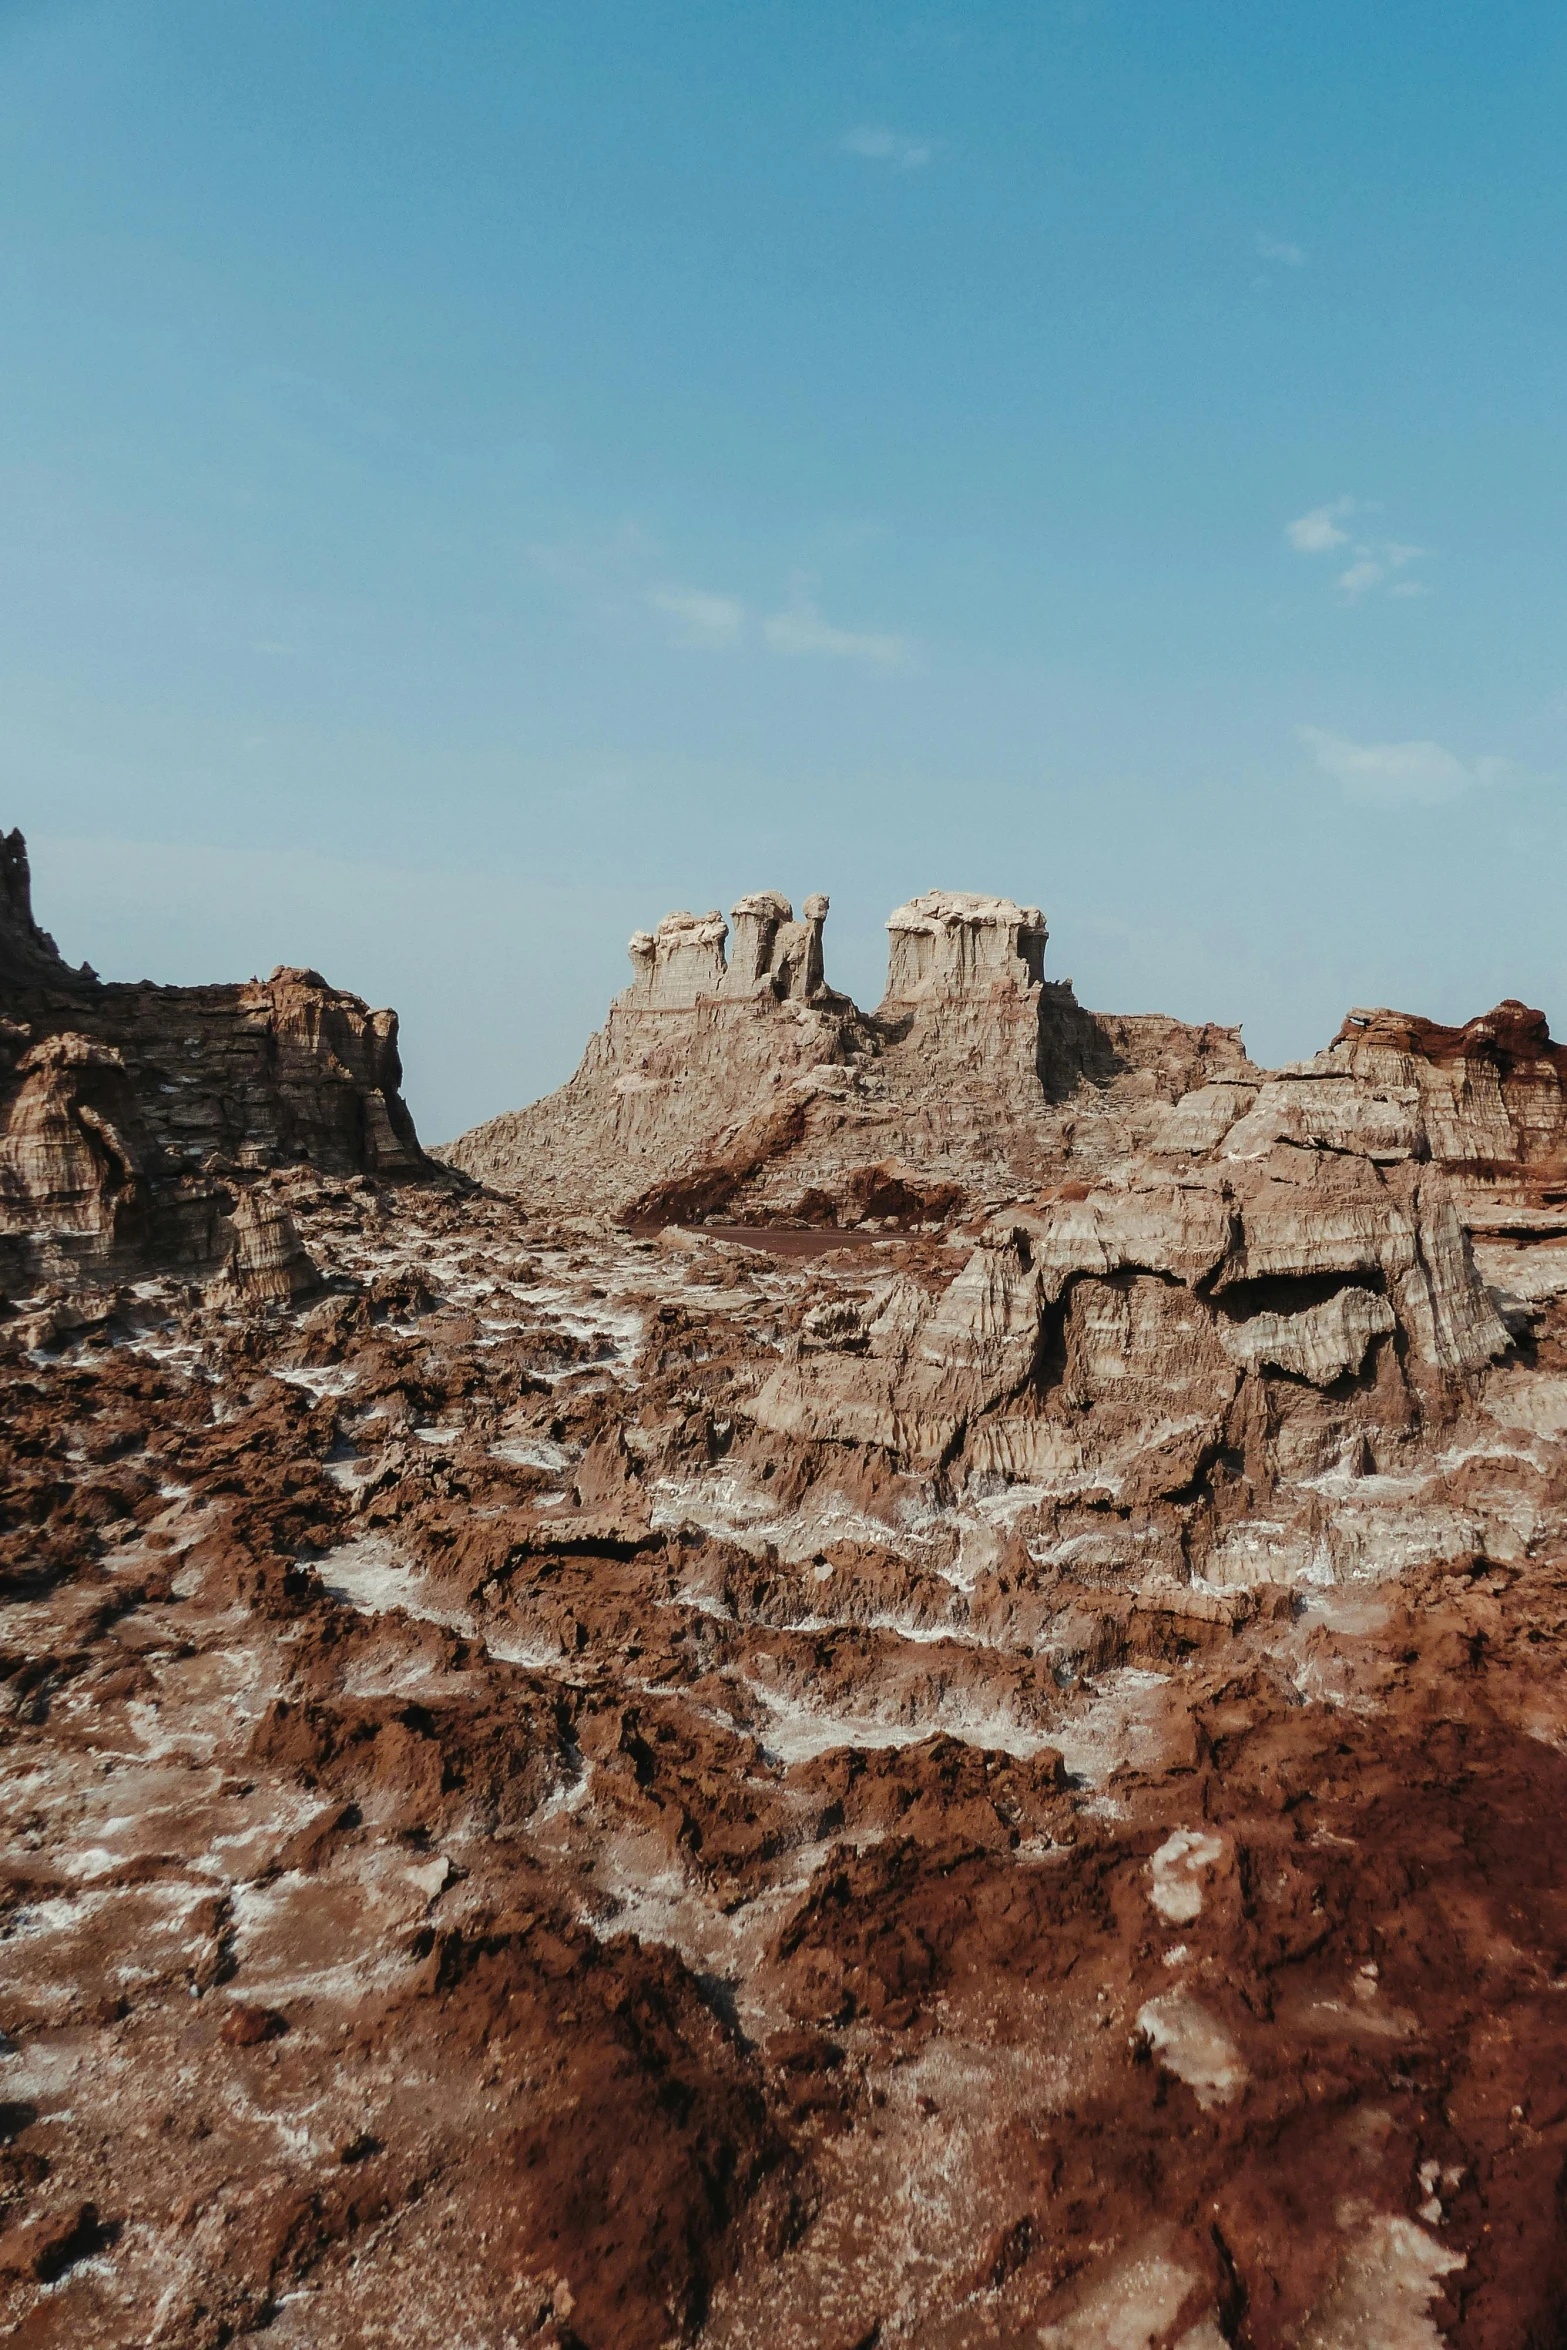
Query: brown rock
[(74, 1156), (749, 1085), (118, 1103), (44, 2247), (247, 2026), (267, 1263)]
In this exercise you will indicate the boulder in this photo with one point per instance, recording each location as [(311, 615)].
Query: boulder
[(267, 1263)]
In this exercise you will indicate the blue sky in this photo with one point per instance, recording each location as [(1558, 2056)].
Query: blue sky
[(477, 476)]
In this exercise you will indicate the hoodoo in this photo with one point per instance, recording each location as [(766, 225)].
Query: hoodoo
[(951, 943), (751, 1087)]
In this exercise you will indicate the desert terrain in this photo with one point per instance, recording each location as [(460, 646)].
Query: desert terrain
[(879, 1678)]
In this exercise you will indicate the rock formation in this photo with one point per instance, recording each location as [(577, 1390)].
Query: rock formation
[(27, 954), (267, 1264), (749, 1086), (975, 1754), (952, 944), (1100, 1348), (707, 1066), (128, 1112)]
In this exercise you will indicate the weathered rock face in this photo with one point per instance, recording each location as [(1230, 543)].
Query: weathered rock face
[(1199, 1280), (1294, 1270), (27, 954), (953, 943), (1012, 1849), (705, 1072), (267, 1264), (1107, 1348), (74, 1155), (1488, 1100), (749, 1086), (683, 960), (266, 1073), (123, 1108)]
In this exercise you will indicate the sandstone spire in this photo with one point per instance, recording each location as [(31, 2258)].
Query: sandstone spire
[(678, 962), (772, 951)]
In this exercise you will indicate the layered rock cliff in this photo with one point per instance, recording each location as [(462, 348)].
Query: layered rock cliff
[(748, 1085), (127, 1112)]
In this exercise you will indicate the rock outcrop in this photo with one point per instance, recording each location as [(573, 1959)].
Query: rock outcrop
[(1107, 1348), (704, 1074), (1488, 1100), (951, 945), (1191, 1279), (129, 1112), (27, 954), (267, 1263), (1290, 1269), (74, 1154), (747, 1086)]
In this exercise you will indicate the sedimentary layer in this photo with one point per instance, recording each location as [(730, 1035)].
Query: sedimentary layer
[(128, 1111)]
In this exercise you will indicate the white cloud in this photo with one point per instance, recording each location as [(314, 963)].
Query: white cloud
[(1363, 575), (1276, 249), (698, 621), (879, 145), (1315, 533), (1396, 775), (1373, 564), (801, 629), (1372, 567)]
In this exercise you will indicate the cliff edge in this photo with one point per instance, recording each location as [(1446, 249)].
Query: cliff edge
[(129, 1111)]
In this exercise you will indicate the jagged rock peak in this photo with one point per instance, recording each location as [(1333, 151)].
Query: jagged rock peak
[(957, 942), (683, 959), (27, 953)]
